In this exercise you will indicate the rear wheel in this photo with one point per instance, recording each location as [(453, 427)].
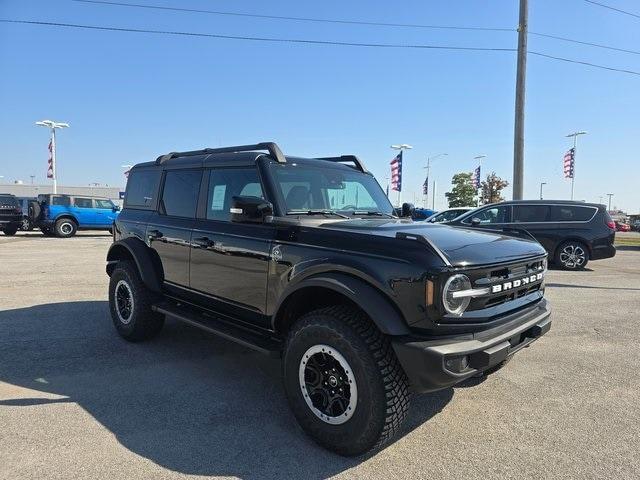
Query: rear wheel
[(572, 255), (65, 228), (343, 381), (130, 303)]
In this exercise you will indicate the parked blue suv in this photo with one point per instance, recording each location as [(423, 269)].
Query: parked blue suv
[(63, 215)]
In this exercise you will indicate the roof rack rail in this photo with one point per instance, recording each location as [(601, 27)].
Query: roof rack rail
[(346, 158), (271, 147)]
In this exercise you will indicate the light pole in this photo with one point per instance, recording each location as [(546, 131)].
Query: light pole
[(609, 195), (541, 184), (428, 167), (479, 158), (401, 147), (51, 125), (575, 144), (32, 177)]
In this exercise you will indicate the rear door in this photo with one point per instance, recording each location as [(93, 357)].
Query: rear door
[(169, 228), (229, 261), (82, 210)]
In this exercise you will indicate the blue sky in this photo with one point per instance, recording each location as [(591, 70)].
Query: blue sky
[(130, 97)]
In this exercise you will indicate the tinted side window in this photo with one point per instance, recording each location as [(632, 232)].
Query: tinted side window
[(104, 203), (530, 213), (491, 215), (180, 193), (142, 186), (63, 201), (82, 202), (227, 183), (571, 213)]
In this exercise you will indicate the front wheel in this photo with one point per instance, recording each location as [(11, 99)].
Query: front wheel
[(572, 255), (343, 381), (10, 230)]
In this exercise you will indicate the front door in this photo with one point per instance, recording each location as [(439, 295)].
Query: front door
[(105, 212), (229, 261), (169, 228)]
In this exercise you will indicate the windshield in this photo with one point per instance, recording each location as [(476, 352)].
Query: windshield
[(308, 189)]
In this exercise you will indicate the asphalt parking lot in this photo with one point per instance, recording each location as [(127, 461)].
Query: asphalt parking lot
[(76, 401)]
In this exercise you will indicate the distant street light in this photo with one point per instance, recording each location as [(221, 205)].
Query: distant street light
[(541, 184), (51, 125), (433, 190), (575, 144), (479, 158), (610, 195)]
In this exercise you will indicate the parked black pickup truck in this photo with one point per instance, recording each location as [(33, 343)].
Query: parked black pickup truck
[(303, 258)]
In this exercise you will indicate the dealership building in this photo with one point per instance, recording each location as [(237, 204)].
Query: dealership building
[(30, 190)]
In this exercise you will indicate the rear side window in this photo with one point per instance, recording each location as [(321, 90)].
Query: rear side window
[(141, 188), (571, 213), (82, 202), (62, 201), (530, 213), (491, 215), (180, 193)]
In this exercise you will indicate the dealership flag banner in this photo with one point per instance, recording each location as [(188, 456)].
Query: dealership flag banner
[(396, 173), (568, 163), (425, 186), (50, 162), (475, 180)]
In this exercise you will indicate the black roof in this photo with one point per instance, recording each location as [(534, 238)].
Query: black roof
[(244, 155), (551, 202)]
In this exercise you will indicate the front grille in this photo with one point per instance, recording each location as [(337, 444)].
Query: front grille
[(491, 276)]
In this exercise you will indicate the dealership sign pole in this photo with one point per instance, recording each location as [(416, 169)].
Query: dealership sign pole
[(51, 171), (570, 160)]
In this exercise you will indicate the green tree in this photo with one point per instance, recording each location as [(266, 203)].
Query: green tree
[(492, 188), (462, 193)]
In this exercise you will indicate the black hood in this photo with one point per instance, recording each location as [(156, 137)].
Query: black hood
[(460, 246)]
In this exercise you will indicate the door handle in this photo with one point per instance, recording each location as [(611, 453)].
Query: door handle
[(154, 234)]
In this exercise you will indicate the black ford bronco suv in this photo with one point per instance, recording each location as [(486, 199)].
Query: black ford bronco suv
[(302, 258)]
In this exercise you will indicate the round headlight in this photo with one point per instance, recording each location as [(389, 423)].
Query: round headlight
[(456, 283)]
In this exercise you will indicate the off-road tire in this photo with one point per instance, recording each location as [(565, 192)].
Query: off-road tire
[(10, 231), (382, 386), (143, 323), (558, 258), (65, 228)]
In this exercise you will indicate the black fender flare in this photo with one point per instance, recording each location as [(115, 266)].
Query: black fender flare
[(370, 299), (141, 255)]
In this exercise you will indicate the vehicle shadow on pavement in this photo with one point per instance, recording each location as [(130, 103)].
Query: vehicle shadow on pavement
[(187, 400)]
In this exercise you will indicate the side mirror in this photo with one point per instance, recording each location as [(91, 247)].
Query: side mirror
[(475, 221), (407, 210), (249, 209)]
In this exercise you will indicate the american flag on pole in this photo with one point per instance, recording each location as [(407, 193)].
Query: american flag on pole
[(425, 186), (475, 179), (396, 173), (569, 163), (50, 162)]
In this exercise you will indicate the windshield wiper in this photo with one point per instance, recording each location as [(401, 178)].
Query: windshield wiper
[(319, 212), (372, 212)]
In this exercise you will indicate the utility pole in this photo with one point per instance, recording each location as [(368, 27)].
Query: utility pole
[(428, 167), (609, 195), (575, 146), (433, 193), (541, 184), (51, 125), (521, 75)]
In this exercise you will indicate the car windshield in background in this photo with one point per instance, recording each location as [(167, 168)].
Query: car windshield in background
[(307, 190), (8, 200)]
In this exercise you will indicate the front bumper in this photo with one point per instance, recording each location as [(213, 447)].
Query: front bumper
[(436, 364)]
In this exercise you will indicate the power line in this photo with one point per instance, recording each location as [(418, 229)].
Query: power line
[(301, 19), (599, 45), (612, 8), (562, 59), (348, 22), (258, 39), (304, 41)]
